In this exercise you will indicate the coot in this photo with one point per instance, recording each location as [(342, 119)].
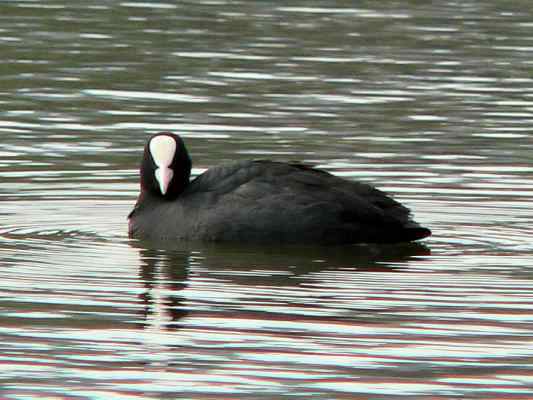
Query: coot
[(259, 201)]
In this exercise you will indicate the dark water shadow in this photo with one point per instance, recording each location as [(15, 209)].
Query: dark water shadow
[(166, 268), (165, 271)]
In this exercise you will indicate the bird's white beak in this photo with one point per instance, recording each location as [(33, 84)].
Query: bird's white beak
[(163, 150), (163, 175)]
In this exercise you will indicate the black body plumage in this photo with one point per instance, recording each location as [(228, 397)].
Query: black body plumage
[(265, 202)]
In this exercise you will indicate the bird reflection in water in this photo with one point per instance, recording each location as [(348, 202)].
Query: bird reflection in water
[(164, 275), (165, 271)]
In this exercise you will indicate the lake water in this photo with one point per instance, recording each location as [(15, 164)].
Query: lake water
[(430, 101)]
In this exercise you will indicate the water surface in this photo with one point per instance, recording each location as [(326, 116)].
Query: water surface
[(430, 102)]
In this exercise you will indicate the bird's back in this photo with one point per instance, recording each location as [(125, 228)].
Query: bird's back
[(264, 201)]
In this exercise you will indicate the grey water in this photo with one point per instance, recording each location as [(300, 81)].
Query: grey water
[(429, 101)]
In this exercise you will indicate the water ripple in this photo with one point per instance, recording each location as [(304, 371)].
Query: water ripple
[(128, 95), (428, 103)]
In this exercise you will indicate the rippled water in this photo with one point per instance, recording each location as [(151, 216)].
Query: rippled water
[(432, 102)]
